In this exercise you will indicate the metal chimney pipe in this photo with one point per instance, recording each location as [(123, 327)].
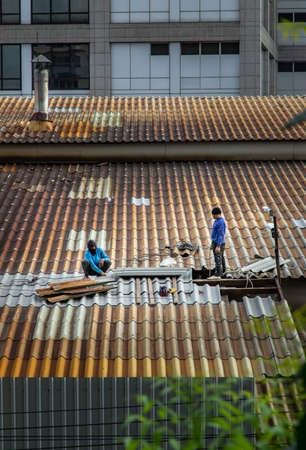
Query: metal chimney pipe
[(41, 87)]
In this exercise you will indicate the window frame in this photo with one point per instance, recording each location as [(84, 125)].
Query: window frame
[(1, 69), (51, 13), (10, 14), (52, 45)]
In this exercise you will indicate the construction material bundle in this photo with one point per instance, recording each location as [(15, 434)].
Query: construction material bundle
[(66, 290)]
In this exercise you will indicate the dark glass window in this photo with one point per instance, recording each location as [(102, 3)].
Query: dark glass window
[(159, 49), (300, 17), (190, 48), (300, 66), (60, 11), (10, 67), (9, 11), (210, 48), (285, 66), (285, 17), (230, 48), (69, 67)]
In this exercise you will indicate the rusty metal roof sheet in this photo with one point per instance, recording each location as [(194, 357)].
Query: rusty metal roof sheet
[(221, 339), (169, 119), (49, 211)]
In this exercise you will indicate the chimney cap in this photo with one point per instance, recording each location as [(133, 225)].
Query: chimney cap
[(41, 59)]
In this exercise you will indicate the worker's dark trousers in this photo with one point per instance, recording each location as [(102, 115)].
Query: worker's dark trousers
[(219, 260), (89, 271)]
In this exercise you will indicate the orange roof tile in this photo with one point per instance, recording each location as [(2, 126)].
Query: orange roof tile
[(169, 119)]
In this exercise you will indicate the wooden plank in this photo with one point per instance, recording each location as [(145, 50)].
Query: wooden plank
[(248, 291), (237, 282), (82, 290), (44, 292), (65, 297), (72, 284)]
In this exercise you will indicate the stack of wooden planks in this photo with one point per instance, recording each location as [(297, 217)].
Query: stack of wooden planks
[(66, 290)]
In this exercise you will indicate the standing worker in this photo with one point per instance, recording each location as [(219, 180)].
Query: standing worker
[(96, 261), (218, 241)]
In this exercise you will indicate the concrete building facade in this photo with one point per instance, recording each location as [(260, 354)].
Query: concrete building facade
[(153, 47)]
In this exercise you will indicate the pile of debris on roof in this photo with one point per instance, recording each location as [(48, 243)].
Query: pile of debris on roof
[(66, 290)]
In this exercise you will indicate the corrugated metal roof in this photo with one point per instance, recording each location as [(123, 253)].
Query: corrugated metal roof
[(169, 119), (49, 211), (210, 336)]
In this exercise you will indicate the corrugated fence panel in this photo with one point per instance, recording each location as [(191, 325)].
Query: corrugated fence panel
[(86, 414)]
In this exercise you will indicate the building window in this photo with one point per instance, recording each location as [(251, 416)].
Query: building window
[(69, 67), (292, 17), (297, 66), (10, 70), (60, 11), (190, 48), (159, 49), (300, 17), (230, 48), (285, 66), (300, 66), (9, 12), (210, 48)]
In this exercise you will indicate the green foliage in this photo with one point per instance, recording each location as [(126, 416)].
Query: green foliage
[(292, 30), (217, 411)]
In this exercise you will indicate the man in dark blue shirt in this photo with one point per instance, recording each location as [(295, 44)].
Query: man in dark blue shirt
[(218, 241), (96, 261)]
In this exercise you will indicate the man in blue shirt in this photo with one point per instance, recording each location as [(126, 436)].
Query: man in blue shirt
[(218, 241), (96, 261)]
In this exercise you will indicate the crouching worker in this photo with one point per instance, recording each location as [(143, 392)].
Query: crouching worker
[(96, 261)]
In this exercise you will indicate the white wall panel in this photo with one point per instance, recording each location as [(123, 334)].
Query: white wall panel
[(25, 11), (141, 84), (230, 65), (299, 80), (190, 66), (120, 17), (121, 60), (26, 69), (210, 65), (139, 5), (160, 66), (229, 82), (140, 60), (120, 5), (210, 83), (121, 83), (160, 84)]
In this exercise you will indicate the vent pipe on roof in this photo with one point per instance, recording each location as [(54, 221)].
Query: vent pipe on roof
[(39, 120)]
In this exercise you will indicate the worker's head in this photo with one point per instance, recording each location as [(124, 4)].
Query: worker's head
[(216, 212), (92, 246)]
